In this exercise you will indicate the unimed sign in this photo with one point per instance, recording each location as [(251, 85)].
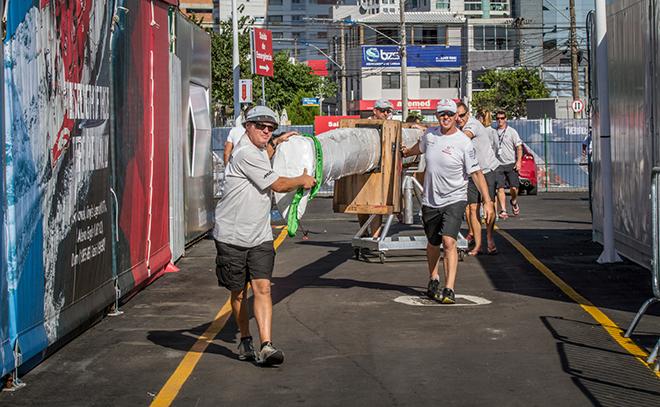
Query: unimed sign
[(262, 52)]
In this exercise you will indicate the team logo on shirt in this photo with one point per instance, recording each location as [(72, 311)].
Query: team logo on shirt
[(473, 153), (449, 150), (268, 174)]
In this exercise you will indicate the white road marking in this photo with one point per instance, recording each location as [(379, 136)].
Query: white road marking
[(423, 301)]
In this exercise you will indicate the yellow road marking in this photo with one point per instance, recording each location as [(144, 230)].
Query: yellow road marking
[(603, 320), (171, 389)]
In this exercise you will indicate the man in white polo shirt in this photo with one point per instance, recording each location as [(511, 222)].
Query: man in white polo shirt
[(509, 152), (450, 159), (243, 235)]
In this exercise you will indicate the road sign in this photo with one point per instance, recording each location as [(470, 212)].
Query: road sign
[(310, 101), (245, 91), (262, 52), (578, 106)]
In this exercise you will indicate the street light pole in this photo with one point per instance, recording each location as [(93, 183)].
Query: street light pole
[(344, 97), (574, 56), (235, 59), (404, 61)]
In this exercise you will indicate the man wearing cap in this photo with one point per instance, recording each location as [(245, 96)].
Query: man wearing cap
[(382, 110), (509, 152), (484, 142), (450, 158), (243, 235)]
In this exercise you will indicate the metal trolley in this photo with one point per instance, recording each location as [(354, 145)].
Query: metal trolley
[(362, 246)]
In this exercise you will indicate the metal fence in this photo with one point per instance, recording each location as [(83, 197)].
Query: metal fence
[(557, 148)]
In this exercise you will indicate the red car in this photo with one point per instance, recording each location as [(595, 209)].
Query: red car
[(528, 180)]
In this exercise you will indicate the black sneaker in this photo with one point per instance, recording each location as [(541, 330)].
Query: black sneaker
[(246, 349), (433, 290), (448, 296)]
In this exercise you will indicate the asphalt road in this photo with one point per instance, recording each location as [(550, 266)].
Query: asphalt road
[(349, 343)]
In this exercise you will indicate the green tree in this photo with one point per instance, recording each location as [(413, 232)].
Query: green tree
[(509, 89), (290, 79)]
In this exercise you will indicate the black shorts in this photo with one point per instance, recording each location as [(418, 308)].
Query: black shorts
[(473, 194), (444, 221), (507, 176), (236, 265)]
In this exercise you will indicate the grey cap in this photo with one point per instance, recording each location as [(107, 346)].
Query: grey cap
[(261, 114), (383, 104)]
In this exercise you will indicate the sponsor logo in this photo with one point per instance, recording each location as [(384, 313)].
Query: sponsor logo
[(268, 174), (374, 55), (449, 150)]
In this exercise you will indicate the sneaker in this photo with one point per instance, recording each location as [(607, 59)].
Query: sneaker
[(433, 290), (448, 296), (269, 355), (246, 349)]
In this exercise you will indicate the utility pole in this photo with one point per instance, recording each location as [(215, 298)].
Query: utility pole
[(342, 51), (404, 61), (574, 56), (235, 59)]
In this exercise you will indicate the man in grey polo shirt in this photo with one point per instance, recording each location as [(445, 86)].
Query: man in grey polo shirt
[(450, 159), (509, 152), (483, 143), (243, 234)]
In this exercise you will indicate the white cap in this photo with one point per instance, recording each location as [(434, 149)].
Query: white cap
[(383, 104), (446, 105), (260, 114)]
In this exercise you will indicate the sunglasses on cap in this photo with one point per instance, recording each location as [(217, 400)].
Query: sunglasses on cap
[(445, 113), (261, 126)]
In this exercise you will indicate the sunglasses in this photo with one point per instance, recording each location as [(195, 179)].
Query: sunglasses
[(384, 110), (262, 127), (462, 115), (501, 118), (445, 113)]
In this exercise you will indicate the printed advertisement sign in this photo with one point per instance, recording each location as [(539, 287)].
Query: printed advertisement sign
[(428, 56), (326, 123)]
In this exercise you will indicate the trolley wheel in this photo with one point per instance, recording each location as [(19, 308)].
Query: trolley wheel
[(381, 257), (461, 255), (356, 253)]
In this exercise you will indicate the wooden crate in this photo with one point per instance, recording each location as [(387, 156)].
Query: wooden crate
[(378, 192)]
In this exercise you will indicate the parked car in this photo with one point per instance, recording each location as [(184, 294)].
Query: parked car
[(528, 177)]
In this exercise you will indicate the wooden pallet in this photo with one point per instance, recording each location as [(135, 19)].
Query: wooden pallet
[(378, 192)]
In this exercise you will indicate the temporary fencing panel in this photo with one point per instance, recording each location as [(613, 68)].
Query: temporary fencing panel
[(56, 201), (193, 47), (141, 107), (557, 148)]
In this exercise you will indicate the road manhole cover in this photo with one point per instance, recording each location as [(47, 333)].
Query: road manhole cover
[(462, 300)]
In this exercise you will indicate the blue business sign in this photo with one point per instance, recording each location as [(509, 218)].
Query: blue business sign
[(310, 101), (428, 56)]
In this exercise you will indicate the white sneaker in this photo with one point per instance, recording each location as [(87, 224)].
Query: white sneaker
[(269, 355)]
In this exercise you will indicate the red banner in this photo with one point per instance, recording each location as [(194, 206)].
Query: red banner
[(325, 123), (413, 104), (262, 52)]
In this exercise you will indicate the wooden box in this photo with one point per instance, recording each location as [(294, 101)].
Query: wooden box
[(378, 192)]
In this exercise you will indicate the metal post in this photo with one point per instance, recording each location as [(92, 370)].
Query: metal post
[(263, 91), (404, 61), (235, 59), (408, 191), (344, 96), (609, 254), (545, 150), (574, 57)]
